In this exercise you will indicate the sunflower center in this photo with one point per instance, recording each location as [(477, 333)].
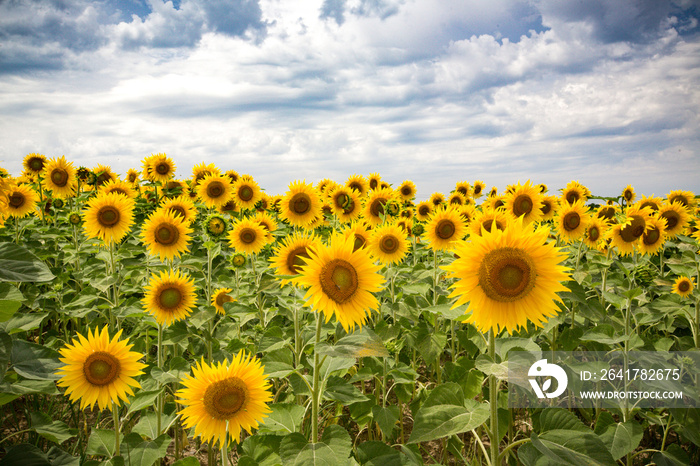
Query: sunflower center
[(167, 234), (300, 203), (488, 224), (178, 210), (36, 164), (225, 398), (606, 213), (162, 168), (424, 210), (593, 233), (477, 189), (406, 191), (522, 205), (295, 259), (651, 237), (108, 216), (245, 193), (216, 226), (373, 184), (445, 229), (377, 207), (546, 207), (507, 274), (59, 177), (339, 280), (230, 206), (356, 186), (628, 195), (170, 298), (634, 230), (684, 286), (678, 198), (358, 243), (223, 298), (16, 200), (671, 218), (248, 235), (101, 368), (572, 220), (131, 177), (389, 244), (215, 189), (572, 197)]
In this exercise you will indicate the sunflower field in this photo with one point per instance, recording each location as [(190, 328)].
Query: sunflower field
[(154, 319)]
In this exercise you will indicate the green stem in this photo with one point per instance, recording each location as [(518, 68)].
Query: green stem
[(160, 366), (483, 448), (316, 386), (224, 450), (668, 428), (493, 402), (115, 416)]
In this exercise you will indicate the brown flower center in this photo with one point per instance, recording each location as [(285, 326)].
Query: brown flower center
[(356, 186), (389, 244), (108, 216), (678, 198), (477, 189), (572, 220), (295, 259), (634, 230), (215, 189), (36, 164), (358, 243), (684, 286), (224, 398), (101, 368), (522, 205), (572, 196), (339, 280), (300, 203), (17, 200), (593, 233), (178, 210), (546, 207), (170, 298), (445, 229), (248, 235), (651, 237), (424, 210), (507, 274), (245, 193), (59, 177), (163, 168), (222, 298), (606, 213), (377, 207), (672, 218), (167, 234)]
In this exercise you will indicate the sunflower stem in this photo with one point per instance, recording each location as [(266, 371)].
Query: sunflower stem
[(316, 387), (115, 416), (493, 402), (160, 366), (224, 450)]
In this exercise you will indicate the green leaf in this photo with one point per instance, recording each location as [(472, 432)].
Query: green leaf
[(571, 447), (673, 456), (179, 368), (439, 421), (356, 345), (17, 264), (278, 363), (5, 352), (622, 438), (486, 364), (559, 419), (261, 450), (10, 300), (139, 452), (339, 389), (55, 431), (148, 424), (430, 343), (25, 454), (386, 418), (101, 442), (34, 361), (25, 322), (447, 312), (333, 449), (143, 399), (58, 457), (285, 417)]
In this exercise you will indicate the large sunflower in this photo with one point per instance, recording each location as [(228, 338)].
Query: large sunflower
[(99, 370), (21, 200), (247, 236), (301, 205), (108, 217), (60, 178), (508, 277), (571, 220), (34, 163), (165, 234), (340, 282), (345, 203), (358, 183), (215, 190), (683, 286), (246, 193), (169, 297), (290, 256), (388, 243), (161, 168), (524, 201), (376, 205), (676, 217), (407, 190), (222, 399), (444, 228)]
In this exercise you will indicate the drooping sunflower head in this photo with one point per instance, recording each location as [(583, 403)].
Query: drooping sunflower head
[(246, 193), (215, 225), (407, 190), (628, 194), (99, 370), (214, 190), (444, 229), (358, 183), (60, 178), (654, 236), (388, 243), (686, 198), (508, 278), (219, 298), (571, 221), (487, 220), (479, 187), (169, 297), (165, 234), (222, 399), (108, 217), (301, 204), (292, 254), (182, 206), (247, 236), (424, 210), (341, 282), (22, 200), (376, 205), (524, 201), (676, 217), (34, 163), (683, 286)]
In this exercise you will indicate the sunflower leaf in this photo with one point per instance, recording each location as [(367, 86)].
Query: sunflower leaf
[(17, 264)]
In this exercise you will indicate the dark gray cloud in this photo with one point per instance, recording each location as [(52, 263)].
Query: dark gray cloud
[(233, 18)]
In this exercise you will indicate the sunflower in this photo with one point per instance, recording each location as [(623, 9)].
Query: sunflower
[(358, 233), (119, 187), (267, 222), (21, 200), (543, 188), (596, 230), (103, 174), (161, 168), (99, 370), (424, 210), (628, 194), (463, 188), (222, 399), (34, 163), (169, 297), (132, 176), (550, 205), (202, 170), (676, 217), (375, 205), (174, 188), (683, 286), (571, 221), (345, 204), (654, 203), (444, 228), (59, 177), (290, 256), (437, 199), (214, 190), (493, 192), (456, 199), (494, 203), (358, 183), (524, 201), (182, 206), (625, 236), (486, 220), (407, 190), (219, 298), (407, 212), (478, 190), (301, 205), (165, 234), (264, 203), (215, 225), (573, 192), (508, 277), (247, 236), (326, 185), (108, 217), (607, 213), (654, 236), (388, 243), (340, 282), (246, 193), (406, 226), (686, 198), (468, 214)]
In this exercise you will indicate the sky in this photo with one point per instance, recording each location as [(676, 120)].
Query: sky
[(606, 92)]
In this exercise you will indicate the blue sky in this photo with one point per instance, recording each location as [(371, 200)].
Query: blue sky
[(606, 92)]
